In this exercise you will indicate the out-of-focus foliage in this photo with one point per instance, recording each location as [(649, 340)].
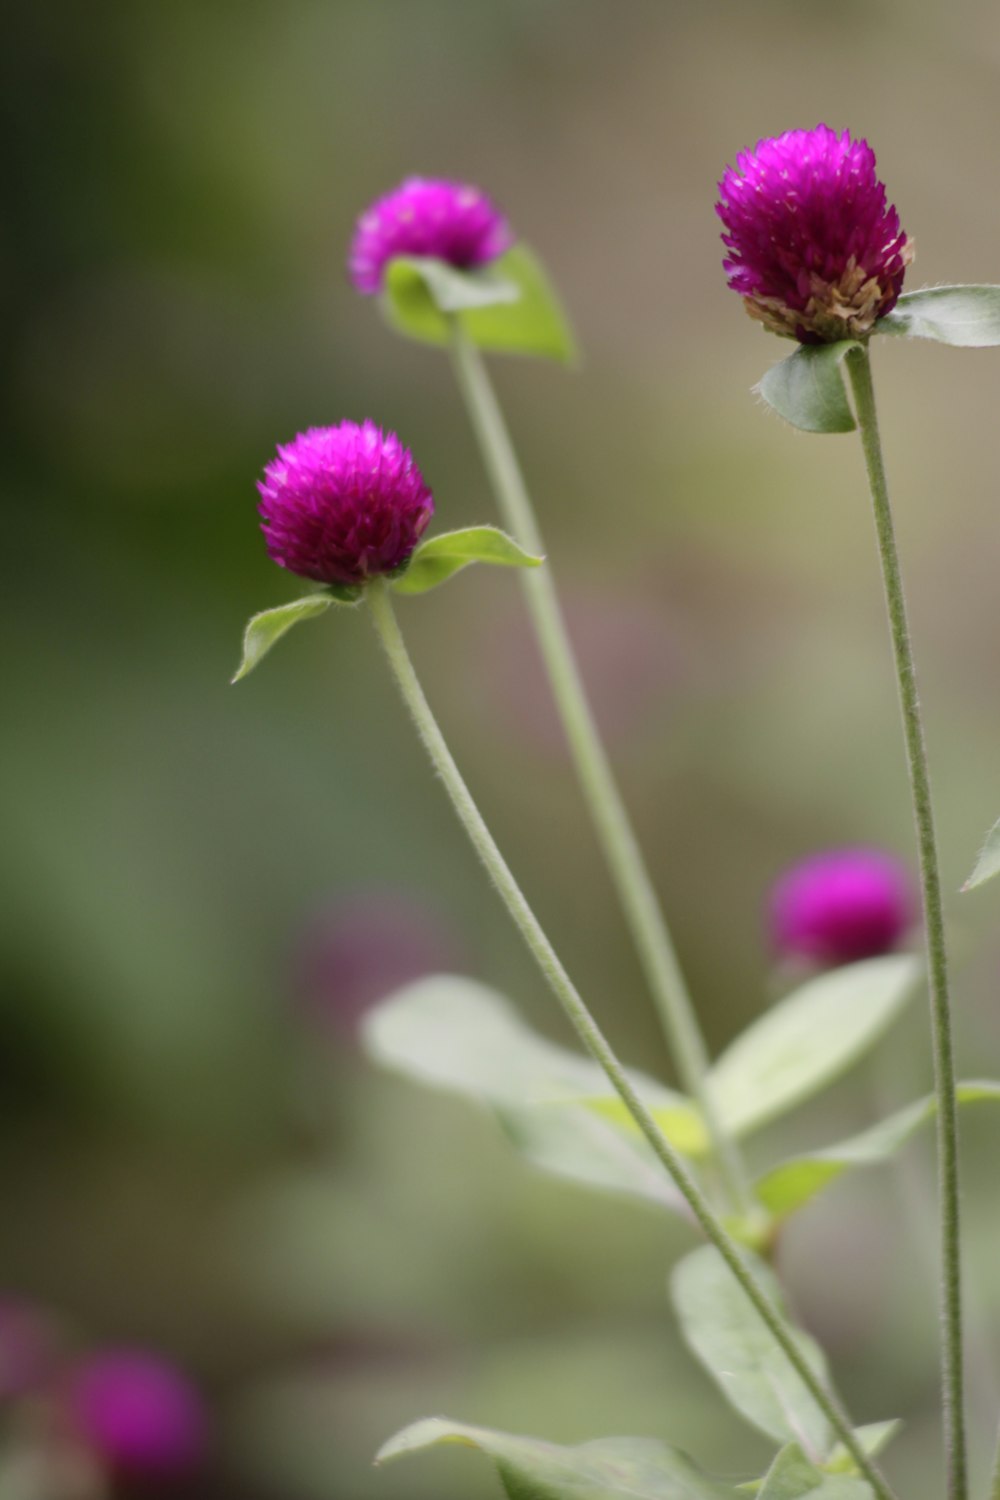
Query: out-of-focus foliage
[(193, 1154)]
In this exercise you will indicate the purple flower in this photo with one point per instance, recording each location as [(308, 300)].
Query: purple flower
[(841, 906), (426, 216), (814, 251), (137, 1412), (340, 504)]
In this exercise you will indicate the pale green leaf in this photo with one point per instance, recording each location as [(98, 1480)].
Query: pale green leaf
[(452, 1033), (873, 1437), (446, 554), (605, 1469), (725, 1331), (807, 388), (988, 863), (508, 306), (965, 316), (808, 1039), (793, 1475), (792, 1184), (264, 630)]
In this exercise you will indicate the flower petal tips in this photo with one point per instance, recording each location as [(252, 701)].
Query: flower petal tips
[(452, 221), (341, 504), (814, 250)]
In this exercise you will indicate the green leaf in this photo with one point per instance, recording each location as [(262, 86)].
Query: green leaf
[(578, 1145), (606, 1469), (988, 863), (807, 388), (725, 1331), (791, 1185), (873, 1437), (965, 316), (808, 1039), (265, 629), (441, 556), (793, 1475), (508, 306), (453, 1033)]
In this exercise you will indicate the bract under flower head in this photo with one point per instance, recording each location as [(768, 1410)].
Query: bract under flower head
[(840, 906), (452, 221), (814, 250), (341, 504)]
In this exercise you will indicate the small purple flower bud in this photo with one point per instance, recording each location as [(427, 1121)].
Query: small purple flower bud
[(363, 946), (452, 221), (814, 251), (841, 906), (138, 1413), (340, 504)]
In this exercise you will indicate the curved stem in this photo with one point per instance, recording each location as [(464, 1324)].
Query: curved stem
[(614, 831), (586, 1027), (859, 371)]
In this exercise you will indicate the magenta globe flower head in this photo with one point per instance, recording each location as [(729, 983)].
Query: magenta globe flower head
[(342, 504), (452, 221), (814, 250), (841, 906), (138, 1413)]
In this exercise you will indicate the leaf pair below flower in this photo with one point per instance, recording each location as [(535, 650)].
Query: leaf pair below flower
[(432, 563), (508, 306), (807, 388)]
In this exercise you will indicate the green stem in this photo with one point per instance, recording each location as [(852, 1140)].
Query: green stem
[(859, 371), (618, 842), (995, 1476), (586, 1027)]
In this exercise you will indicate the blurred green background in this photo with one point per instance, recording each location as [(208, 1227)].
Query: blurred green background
[(190, 1155)]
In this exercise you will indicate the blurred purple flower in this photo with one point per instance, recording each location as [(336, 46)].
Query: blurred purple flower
[(28, 1347), (365, 945), (841, 906), (814, 250), (452, 221), (137, 1412), (339, 504)]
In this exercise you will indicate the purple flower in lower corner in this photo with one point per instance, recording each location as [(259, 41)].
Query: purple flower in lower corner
[(841, 906), (341, 504), (452, 221), (137, 1412), (814, 250)]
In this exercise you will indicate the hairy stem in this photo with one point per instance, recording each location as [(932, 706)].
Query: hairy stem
[(586, 1027), (617, 839), (859, 371)]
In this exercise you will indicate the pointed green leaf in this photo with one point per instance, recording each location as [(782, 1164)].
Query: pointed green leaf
[(808, 1039), (793, 1475), (965, 316), (606, 1469), (579, 1146), (873, 1437), (264, 630), (807, 388), (508, 306), (725, 1331), (441, 556), (988, 863), (453, 1033), (788, 1187)]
